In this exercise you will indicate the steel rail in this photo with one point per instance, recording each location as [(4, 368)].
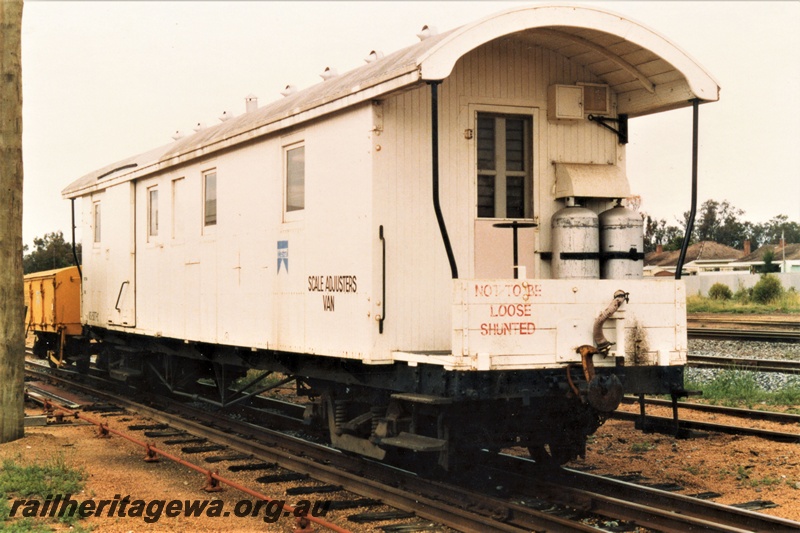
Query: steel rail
[(742, 334), (212, 478), (452, 505), (456, 507), (665, 521), (788, 321), (770, 416), (784, 366), (717, 517), (775, 328), (460, 508), (40, 395), (667, 424), (646, 506)]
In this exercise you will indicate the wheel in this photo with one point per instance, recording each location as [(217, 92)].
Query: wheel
[(553, 454), (540, 455), (82, 365)]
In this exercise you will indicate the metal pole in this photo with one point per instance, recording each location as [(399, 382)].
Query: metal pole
[(783, 251), (435, 163), (516, 255), (515, 225), (690, 222), (74, 251)]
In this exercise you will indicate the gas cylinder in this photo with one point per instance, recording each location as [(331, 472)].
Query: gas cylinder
[(621, 244), (576, 243)]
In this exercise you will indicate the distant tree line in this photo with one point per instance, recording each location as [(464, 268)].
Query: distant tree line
[(719, 222), (49, 252)]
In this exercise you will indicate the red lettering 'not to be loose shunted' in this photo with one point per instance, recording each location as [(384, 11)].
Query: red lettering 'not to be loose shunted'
[(508, 328)]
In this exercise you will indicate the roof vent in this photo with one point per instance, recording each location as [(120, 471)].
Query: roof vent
[(177, 135), (328, 73), (225, 116), (427, 31), (199, 126), (250, 102), (290, 89), (374, 56)]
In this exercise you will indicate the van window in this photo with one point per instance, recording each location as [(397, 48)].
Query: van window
[(152, 212), (295, 178), (210, 198), (504, 166)]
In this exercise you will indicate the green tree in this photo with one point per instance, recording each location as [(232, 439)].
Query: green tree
[(50, 251), (720, 291), (720, 222), (769, 265), (768, 289), (771, 232), (707, 222), (653, 232), (658, 232), (731, 230)]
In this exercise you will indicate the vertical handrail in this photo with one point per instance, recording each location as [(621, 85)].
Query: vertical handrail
[(690, 222), (383, 278), (74, 250), (435, 164), (119, 296)]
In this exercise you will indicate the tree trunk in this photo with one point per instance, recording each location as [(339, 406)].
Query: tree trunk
[(12, 310)]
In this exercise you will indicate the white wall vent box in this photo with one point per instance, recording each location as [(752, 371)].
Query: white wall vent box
[(596, 98), (565, 102)]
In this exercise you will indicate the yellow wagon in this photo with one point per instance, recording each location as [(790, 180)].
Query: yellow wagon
[(53, 314)]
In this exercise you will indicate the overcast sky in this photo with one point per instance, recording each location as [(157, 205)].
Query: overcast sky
[(106, 80)]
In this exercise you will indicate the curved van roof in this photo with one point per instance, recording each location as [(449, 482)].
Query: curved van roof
[(648, 73)]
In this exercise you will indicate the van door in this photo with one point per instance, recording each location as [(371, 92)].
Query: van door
[(504, 191), (119, 242)]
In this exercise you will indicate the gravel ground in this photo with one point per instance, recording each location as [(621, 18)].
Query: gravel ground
[(741, 469), (115, 469), (770, 381)]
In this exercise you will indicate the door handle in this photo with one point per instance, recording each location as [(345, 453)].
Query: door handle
[(119, 296)]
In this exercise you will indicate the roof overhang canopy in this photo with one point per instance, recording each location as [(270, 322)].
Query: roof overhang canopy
[(647, 72)]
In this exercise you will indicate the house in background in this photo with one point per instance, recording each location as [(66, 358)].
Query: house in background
[(785, 256), (707, 263), (706, 257)]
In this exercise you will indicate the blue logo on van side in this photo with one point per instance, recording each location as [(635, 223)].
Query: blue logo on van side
[(283, 255)]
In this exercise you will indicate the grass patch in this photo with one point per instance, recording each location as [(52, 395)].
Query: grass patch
[(53, 476), (737, 388), (641, 447), (788, 303), (746, 301), (743, 472), (271, 379), (25, 525), (37, 481), (694, 470), (765, 481)]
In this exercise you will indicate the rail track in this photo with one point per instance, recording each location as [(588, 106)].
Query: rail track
[(451, 505), (477, 505), (676, 512), (744, 327), (748, 414), (663, 424), (685, 426), (745, 363)]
